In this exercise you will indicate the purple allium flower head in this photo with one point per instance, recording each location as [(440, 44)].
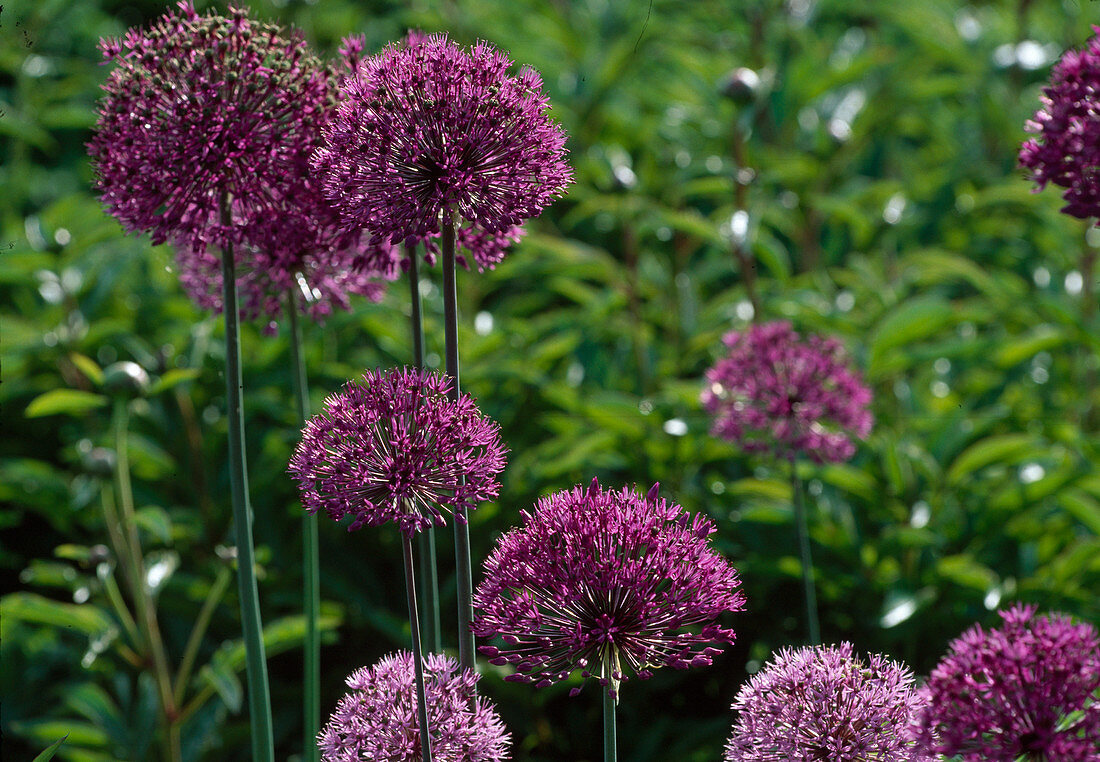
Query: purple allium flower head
[(601, 581), (392, 446), (377, 720), (1067, 150), (822, 703), (1004, 692), (200, 109), (776, 391), (430, 130)]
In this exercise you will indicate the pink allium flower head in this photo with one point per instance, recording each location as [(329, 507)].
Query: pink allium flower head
[(203, 108), (377, 720), (1067, 150), (1006, 692), (822, 703), (429, 130), (776, 391), (603, 581), (393, 447)]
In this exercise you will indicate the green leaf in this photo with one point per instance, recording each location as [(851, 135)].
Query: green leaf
[(37, 609), (914, 320), (64, 401), (88, 367), (1016, 350), (224, 680), (1003, 448), (51, 750), (173, 378), (154, 520)]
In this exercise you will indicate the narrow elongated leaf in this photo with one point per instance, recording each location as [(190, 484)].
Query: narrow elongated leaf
[(64, 401)]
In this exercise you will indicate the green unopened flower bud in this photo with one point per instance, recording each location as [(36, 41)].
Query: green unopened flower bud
[(126, 378), (741, 86)]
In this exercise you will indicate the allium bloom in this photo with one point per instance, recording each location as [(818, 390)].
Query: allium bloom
[(393, 447), (602, 581), (430, 133), (1067, 151), (377, 720), (822, 703), (1004, 692), (776, 391)]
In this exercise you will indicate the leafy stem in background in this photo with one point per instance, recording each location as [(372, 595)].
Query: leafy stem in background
[(311, 704), (213, 598), (809, 593), (610, 742), (417, 659)]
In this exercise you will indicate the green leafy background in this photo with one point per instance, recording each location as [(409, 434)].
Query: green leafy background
[(884, 207)]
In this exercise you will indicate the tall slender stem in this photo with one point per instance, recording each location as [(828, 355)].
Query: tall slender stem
[(418, 660), (259, 695), (610, 742), (311, 577), (463, 571), (191, 651), (429, 576), (809, 592)]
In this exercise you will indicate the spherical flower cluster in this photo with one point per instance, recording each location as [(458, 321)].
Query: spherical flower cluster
[(822, 703), (431, 134), (1067, 150), (1012, 691), (394, 447), (603, 581), (378, 719), (776, 391)]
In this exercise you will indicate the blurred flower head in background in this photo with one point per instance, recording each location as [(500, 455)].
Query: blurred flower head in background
[(604, 581), (1026, 688), (392, 446), (823, 703), (780, 392), (378, 719)]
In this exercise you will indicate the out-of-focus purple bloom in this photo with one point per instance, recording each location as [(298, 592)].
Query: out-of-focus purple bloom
[(603, 581), (1005, 692), (393, 447), (428, 130), (1067, 150), (377, 719), (776, 391), (822, 703)]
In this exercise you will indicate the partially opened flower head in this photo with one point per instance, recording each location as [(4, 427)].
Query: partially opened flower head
[(606, 582), (377, 719), (430, 132), (780, 392), (392, 446), (1029, 687), (823, 703), (1066, 149)]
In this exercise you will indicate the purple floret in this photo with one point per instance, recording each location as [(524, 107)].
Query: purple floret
[(604, 581), (393, 447), (779, 392), (1014, 690)]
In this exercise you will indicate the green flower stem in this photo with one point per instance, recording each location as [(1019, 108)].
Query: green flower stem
[(463, 571), (114, 595), (121, 550), (418, 661), (808, 588), (429, 576), (259, 696), (610, 742), (311, 699), (213, 598)]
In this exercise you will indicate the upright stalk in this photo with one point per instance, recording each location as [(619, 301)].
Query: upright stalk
[(610, 743), (311, 604), (259, 696), (462, 529), (418, 660), (809, 592)]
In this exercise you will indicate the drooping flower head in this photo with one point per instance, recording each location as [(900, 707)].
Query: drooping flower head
[(604, 581), (1013, 690), (430, 131), (1067, 149), (823, 703), (377, 719), (776, 391), (392, 446)]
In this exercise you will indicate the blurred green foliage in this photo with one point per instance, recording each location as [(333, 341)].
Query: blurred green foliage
[(883, 206)]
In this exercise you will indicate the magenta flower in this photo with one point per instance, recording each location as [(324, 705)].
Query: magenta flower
[(776, 391), (377, 720), (430, 134), (822, 703), (1067, 150), (603, 581), (1006, 692), (393, 447)]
